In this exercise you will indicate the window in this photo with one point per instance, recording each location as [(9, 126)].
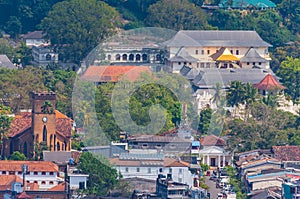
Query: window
[(237, 52), (180, 179), (158, 146), (149, 170), (43, 182), (202, 52), (179, 63), (180, 170), (231, 51), (35, 182), (248, 63), (118, 57), (259, 63), (207, 65), (137, 169), (202, 65), (160, 170), (109, 57), (170, 170), (27, 181), (11, 173), (51, 182), (145, 146), (51, 173), (126, 169), (184, 63), (196, 52), (19, 172), (208, 52), (43, 173), (35, 173)]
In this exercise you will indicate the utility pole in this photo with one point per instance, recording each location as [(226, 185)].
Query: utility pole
[(24, 171)]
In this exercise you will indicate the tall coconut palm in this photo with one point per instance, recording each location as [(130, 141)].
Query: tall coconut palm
[(218, 95)]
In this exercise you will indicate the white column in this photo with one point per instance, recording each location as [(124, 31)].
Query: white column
[(208, 160), (203, 161), (224, 161), (219, 161)]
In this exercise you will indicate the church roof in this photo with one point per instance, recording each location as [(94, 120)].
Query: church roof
[(224, 54), (253, 56), (216, 38), (269, 83), (23, 122), (113, 73)]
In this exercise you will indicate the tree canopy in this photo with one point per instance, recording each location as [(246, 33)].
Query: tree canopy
[(176, 15), (82, 25), (102, 177)]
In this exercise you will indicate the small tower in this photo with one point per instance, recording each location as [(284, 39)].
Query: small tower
[(43, 118)]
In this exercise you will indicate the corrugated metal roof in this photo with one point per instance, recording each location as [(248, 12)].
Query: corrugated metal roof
[(253, 56), (247, 3)]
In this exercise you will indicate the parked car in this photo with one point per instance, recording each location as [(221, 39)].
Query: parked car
[(220, 196)]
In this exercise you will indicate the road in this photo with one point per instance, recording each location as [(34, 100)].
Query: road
[(212, 188)]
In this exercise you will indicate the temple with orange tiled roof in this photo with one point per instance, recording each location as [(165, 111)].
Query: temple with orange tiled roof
[(44, 124), (269, 84)]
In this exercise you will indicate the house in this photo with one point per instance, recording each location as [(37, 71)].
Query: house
[(104, 74), (43, 125), (168, 145), (213, 153), (35, 38), (212, 49), (257, 165), (166, 188), (247, 4), (289, 155), (6, 63), (44, 55), (149, 165), (291, 188), (44, 174)]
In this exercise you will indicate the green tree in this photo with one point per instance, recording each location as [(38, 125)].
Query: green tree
[(102, 177), (5, 122), (289, 71), (82, 25), (17, 156), (236, 93), (176, 15), (205, 117), (7, 49)]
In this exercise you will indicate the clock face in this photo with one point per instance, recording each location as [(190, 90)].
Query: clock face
[(45, 119)]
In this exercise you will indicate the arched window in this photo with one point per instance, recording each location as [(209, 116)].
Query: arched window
[(144, 57), (158, 57), (124, 57), (54, 143), (51, 137), (44, 134), (118, 57), (138, 57), (131, 57), (109, 57), (48, 57), (25, 149), (58, 146)]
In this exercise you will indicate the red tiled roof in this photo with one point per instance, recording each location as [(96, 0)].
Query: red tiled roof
[(269, 83), (170, 162), (212, 140), (287, 153), (32, 186), (7, 180), (113, 73), (10, 165), (59, 187), (23, 121)]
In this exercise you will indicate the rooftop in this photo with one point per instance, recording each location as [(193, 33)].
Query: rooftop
[(114, 73), (269, 83), (287, 153), (38, 166)]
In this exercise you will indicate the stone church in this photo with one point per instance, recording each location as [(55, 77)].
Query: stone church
[(43, 125)]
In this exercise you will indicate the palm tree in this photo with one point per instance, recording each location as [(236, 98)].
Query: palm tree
[(217, 98), (249, 98)]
